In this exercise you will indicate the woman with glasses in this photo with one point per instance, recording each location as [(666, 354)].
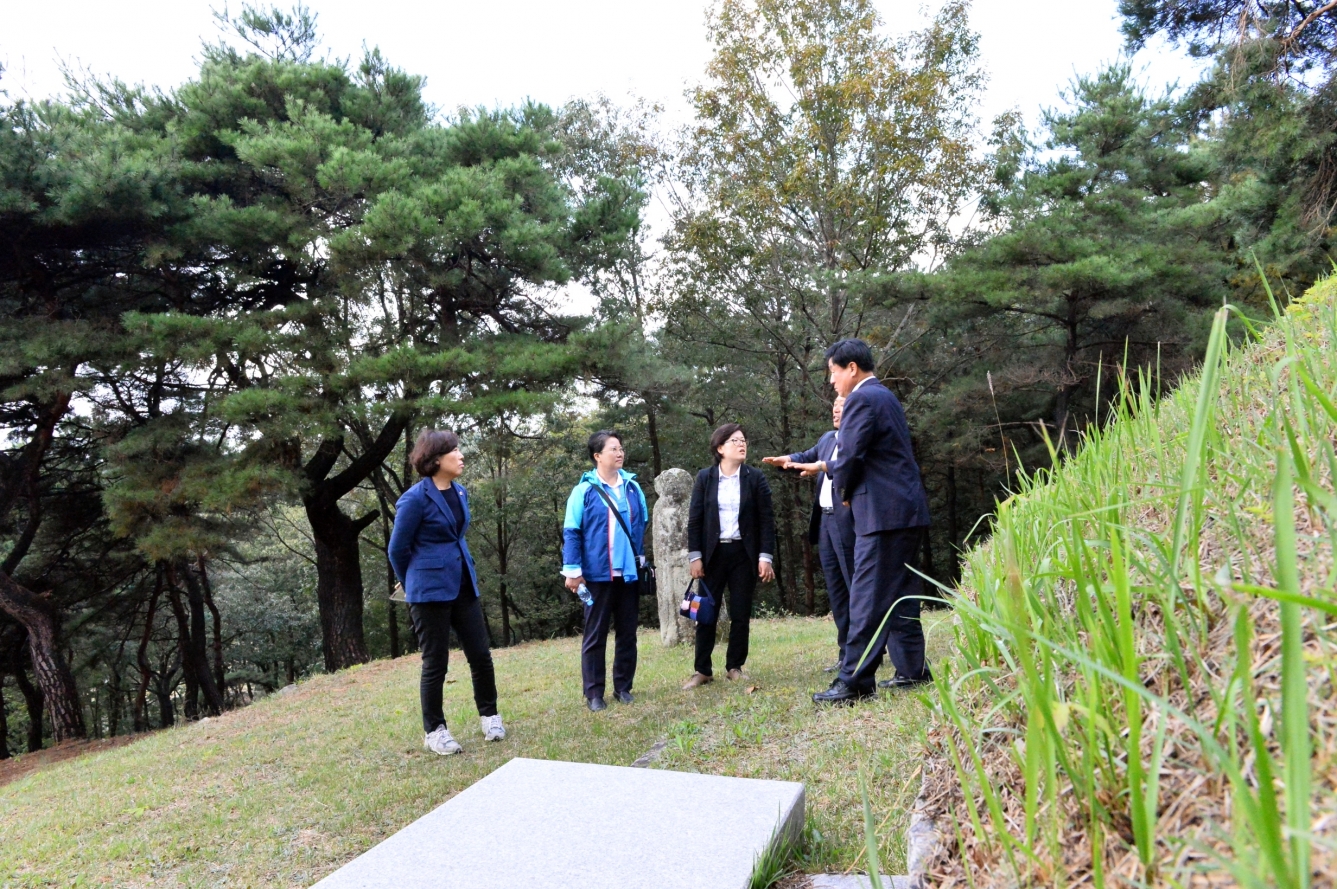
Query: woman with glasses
[(603, 540), (730, 540)]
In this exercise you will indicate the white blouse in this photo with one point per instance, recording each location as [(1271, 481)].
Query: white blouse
[(730, 496)]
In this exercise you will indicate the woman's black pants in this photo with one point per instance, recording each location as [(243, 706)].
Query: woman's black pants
[(432, 622), (729, 567), (616, 604)]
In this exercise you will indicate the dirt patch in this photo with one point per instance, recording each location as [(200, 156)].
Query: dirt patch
[(16, 767)]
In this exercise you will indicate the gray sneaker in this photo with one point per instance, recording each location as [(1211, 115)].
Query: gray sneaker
[(493, 730), (441, 742)]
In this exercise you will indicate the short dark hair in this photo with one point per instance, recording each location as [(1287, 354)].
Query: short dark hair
[(599, 439), (845, 352), (720, 436), (430, 446)]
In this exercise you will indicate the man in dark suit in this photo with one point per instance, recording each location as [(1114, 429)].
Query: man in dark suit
[(830, 528), (876, 474)]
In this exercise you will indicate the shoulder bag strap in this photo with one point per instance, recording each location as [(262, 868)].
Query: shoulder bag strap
[(618, 513)]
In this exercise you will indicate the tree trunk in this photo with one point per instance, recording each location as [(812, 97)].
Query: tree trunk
[(391, 612), (338, 553), (927, 558), (338, 582), (54, 677), (953, 527), (141, 716), (114, 702), (32, 698), (392, 625), (503, 565), (506, 637), (197, 641), (1062, 405), (809, 580), (652, 427), (190, 703), (4, 722), (162, 690), (786, 576), (220, 672)]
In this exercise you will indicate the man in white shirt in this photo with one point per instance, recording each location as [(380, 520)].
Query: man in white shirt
[(831, 526)]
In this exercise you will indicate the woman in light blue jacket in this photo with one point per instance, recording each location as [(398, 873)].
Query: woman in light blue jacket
[(431, 559), (603, 550)]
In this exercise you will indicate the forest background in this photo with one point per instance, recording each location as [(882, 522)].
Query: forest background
[(226, 309)]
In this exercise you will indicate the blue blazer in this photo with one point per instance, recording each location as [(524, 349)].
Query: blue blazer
[(875, 471), (427, 547), (820, 452)]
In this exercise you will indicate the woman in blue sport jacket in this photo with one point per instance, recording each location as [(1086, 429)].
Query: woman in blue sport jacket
[(597, 553), (431, 559)]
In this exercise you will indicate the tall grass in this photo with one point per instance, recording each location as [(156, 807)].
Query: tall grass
[(1143, 692)]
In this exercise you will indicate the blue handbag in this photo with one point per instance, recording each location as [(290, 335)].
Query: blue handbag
[(698, 606)]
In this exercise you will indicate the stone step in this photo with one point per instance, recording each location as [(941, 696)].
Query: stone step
[(546, 823)]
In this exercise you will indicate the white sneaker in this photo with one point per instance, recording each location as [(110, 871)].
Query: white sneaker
[(493, 730), (441, 742)]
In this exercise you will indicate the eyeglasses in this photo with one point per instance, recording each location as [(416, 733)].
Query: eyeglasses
[(737, 441), (608, 450)]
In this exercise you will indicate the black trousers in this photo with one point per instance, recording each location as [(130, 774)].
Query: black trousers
[(432, 622), (616, 604), (835, 547), (882, 583), (729, 567)]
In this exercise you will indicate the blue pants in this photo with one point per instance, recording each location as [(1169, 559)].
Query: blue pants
[(835, 547), (883, 583)]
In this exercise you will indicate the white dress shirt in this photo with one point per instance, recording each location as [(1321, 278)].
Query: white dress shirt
[(824, 498), (730, 495)]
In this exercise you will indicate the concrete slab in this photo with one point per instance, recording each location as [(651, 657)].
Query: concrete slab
[(563, 824)]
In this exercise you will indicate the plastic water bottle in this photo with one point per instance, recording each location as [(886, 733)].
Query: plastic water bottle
[(585, 596)]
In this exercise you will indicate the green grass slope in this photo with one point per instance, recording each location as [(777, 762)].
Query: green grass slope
[(288, 789), (1143, 688)]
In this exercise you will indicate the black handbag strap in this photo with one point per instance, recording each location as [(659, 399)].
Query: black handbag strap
[(617, 512), (701, 589)]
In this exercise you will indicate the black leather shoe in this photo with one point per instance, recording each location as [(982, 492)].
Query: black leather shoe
[(833, 668), (623, 697), (900, 683), (841, 692), (596, 704)]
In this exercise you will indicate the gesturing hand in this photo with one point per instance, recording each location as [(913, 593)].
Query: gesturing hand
[(807, 469), (775, 461)]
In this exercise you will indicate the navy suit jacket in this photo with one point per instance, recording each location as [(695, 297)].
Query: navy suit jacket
[(875, 471), (819, 452), (427, 547)]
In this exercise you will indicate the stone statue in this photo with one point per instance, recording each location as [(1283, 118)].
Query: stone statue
[(674, 487)]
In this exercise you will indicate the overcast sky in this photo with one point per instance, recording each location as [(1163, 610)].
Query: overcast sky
[(501, 52)]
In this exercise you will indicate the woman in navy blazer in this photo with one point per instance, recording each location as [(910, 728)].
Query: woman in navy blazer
[(431, 559)]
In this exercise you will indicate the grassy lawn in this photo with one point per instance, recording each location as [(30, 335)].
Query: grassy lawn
[(285, 791)]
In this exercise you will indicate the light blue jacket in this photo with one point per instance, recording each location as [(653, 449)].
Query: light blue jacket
[(593, 542)]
